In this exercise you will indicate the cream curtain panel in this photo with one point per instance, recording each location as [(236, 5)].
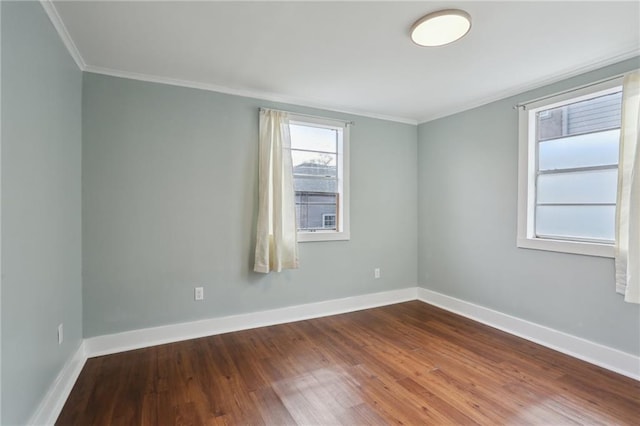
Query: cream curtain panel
[(627, 257), (276, 241)]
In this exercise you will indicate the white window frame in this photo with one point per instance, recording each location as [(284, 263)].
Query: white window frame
[(342, 217), (527, 166)]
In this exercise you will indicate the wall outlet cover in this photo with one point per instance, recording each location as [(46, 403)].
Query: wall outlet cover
[(199, 293)]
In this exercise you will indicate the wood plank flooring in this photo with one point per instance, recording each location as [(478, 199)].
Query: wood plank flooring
[(409, 363)]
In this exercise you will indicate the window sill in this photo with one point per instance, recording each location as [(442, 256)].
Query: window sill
[(572, 247), (306, 237)]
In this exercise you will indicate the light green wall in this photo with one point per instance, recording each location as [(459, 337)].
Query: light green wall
[(41, 207), (467, 229), (169, 203), (169, 195)]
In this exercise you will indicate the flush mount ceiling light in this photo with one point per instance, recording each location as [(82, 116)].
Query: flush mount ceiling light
[(441, 27)]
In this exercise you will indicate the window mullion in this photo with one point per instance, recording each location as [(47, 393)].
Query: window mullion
[(578, 169)]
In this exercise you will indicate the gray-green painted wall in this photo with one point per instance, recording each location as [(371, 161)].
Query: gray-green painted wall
[(169, 203), (41, 207), (169, 187), (467, 229)]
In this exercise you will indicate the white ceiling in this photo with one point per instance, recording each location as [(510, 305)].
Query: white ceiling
[(349, 56)]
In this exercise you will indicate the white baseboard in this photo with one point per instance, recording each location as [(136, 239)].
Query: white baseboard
[(594, 353), (136, 339), (53, 401)]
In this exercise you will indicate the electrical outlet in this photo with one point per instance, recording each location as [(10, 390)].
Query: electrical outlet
[(376, 273), (199, 293), (60, 334)]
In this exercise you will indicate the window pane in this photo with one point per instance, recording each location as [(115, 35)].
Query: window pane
[(590, 115), (597, 186), (587, 222), (593, 149), (313, 138), (603, 112), (311, 207), (313, 163), (329, 221), (315, 184)]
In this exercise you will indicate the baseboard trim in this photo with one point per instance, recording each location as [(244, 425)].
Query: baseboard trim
[(591, 352), (136, 339), (51, 405)]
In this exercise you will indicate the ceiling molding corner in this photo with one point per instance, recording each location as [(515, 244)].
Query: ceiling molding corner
[(58, 24)]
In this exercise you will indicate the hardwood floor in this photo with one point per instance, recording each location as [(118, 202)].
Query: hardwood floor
[(409, 363)]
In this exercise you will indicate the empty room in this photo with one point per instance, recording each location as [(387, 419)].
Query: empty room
[(319, 212)]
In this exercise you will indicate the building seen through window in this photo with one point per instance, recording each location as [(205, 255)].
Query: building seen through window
[(315, 154)]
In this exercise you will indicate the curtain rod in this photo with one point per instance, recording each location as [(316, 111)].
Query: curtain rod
[(348, 123), (604, 80)]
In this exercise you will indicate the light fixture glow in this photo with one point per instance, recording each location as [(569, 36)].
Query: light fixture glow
[(440, 28)]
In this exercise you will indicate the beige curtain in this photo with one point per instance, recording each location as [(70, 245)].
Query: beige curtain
[(276, 242), (627, 258)]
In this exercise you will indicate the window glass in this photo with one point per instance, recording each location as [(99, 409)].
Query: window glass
[(311, 208), (587, 116), (314, 163), (592, 149), (586, 187), (577, 168), (312, 138), (319, 176), (586, 222)]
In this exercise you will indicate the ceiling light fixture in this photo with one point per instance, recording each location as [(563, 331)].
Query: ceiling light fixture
[(441, 27)]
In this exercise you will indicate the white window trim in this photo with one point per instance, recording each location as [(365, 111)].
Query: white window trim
[(527, 171), (343, 182)]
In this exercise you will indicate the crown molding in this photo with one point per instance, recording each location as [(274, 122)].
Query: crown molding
[(58, 24), (517, 90), (51, 11), (255, 94), (60, 27)]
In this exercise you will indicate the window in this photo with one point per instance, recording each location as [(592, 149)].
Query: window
[(319, 150), (568, 170), (328, 221)]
